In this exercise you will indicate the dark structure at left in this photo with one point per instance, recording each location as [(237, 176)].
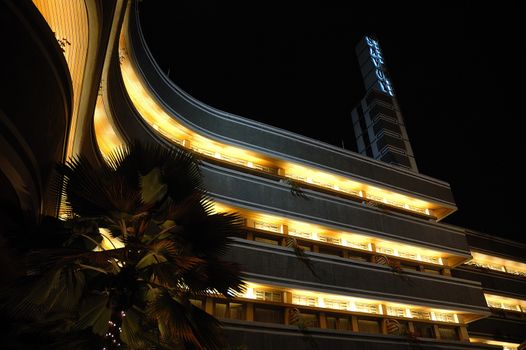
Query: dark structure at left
[(78, 78), (36, 102)]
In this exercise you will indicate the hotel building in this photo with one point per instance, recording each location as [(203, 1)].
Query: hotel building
[(386, 272)]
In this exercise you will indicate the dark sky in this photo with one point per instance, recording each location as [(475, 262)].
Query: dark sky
[(457, 69)]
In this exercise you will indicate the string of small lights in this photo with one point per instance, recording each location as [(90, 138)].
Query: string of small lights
[(113, 335)]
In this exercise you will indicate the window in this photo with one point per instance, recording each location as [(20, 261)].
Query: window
[(338, 322), (267, 227), (266, 240), (330, 251), (303, 300), (368, 325), (357, 257), (385, 250), (234, 311), (220, 310), (430, 259), (448, 333), (494, 304), (298, 233), (445, 317), (268, 295), (198, 302), (329, 239), (356, 245), (237, 311), (409, 267), (424, 330), (423, 315), (368, 308), (408, 255), (268, 314), (309, 319), (335, 304), (396, 311)]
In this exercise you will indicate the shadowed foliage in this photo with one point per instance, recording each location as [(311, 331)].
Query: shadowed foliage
[(140, 241)]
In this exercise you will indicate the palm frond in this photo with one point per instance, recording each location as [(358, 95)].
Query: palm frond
[(210, 235), (180, 321), (300, 254), (295, 188), (225, 277), (95, 313), (57, 290), (137, 333)]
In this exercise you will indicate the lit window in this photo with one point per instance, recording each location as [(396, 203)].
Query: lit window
[(368, 308), (303, 300), (396, 311), (444, 317), (267, 226), (268, 295), (329, 239), (298, 233), (336, 304), (423, 315)]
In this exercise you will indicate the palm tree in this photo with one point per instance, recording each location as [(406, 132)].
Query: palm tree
[(140, 242)]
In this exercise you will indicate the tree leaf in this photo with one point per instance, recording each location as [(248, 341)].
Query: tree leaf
[(150, 259), (95, 313), (152, 188)]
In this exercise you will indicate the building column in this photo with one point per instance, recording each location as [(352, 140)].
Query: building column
[(463, 333), (250, 312)]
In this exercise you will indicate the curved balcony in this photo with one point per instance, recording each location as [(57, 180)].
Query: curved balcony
[(266, 192), (178, 117), (278, 265), (259, 336)]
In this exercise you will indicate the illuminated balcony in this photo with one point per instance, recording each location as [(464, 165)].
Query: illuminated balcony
[(327, 301), (266, 305), (170, 125), (505, 345), (497, 264), (505, 303), (351, 244)]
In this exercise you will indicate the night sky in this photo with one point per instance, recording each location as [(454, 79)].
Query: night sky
[(457, 69)]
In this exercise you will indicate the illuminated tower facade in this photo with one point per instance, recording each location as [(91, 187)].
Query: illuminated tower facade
[(378, 123)]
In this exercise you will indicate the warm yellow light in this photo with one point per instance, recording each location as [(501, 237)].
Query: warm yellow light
[(69, 22), (343, 302), (500, 302), (108, 241), (325, 234), (107, 138), (505, 345), (167, 126), (498, 264)]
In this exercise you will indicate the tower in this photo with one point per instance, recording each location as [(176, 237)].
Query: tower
[(377, 121)]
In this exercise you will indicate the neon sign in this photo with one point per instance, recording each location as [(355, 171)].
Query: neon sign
[(378, 61)]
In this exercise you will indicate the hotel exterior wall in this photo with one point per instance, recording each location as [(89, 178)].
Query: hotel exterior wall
[(500, 283), (273, 141), (496, 246), (500, 328), (345, 276), (260, 193), (261, 336)]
